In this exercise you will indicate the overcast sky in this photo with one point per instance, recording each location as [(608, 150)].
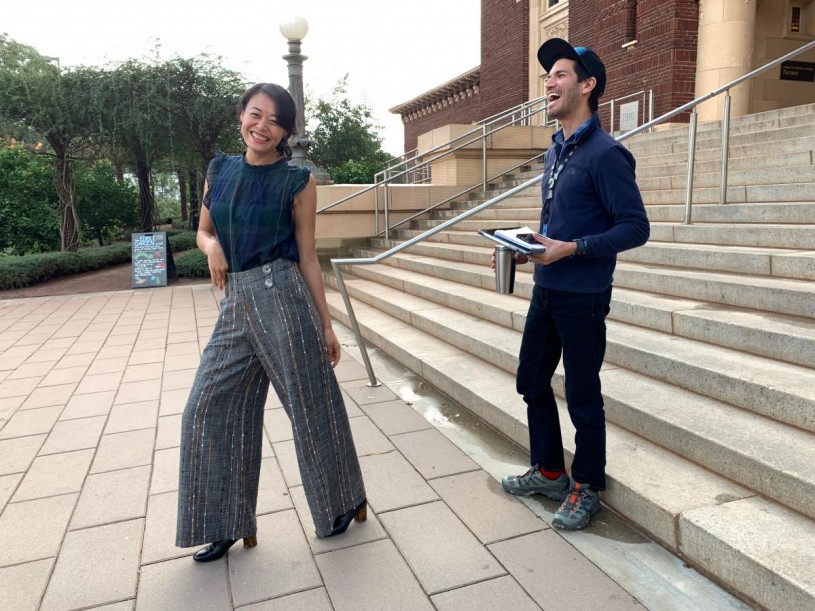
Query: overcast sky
[(391, 51)]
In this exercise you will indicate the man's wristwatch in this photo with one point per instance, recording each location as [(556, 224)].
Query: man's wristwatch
[(581, 248)]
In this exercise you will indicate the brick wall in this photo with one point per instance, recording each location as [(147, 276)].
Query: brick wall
[(664, 58), (504, 54), (462, 112)]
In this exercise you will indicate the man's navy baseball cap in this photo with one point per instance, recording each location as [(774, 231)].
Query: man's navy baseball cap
[(557, 48)]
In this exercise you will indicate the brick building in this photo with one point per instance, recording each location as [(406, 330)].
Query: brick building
[(677, 49)]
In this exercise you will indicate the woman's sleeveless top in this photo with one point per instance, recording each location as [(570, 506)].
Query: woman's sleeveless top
[(252, 209)]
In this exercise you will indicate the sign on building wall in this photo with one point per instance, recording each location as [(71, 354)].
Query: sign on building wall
[(629, 116), (798, 71)]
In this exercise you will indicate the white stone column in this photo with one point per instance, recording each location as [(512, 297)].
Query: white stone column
[(725, 52)]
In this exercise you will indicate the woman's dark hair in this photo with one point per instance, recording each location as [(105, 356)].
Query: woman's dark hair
[(284, 106), (583, 75)]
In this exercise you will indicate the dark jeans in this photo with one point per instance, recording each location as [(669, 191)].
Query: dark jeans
[(572, 324)]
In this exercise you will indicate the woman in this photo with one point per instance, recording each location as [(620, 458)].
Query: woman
[(257, 230)]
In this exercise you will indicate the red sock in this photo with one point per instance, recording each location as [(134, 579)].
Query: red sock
[(552, 474)]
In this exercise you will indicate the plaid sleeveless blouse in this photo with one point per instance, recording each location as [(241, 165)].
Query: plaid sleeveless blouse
[(251, 207)]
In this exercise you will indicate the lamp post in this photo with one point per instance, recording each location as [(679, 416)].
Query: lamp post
[(295, 29)]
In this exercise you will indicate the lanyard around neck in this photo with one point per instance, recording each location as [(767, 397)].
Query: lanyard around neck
[(554, 174)]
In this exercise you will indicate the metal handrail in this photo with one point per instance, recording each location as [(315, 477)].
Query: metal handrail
[(389, 176), (336, 263), (614, 101), (511, 111), (461, 193)]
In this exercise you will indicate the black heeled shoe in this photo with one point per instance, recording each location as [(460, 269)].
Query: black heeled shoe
[(217, 549), (358, 513)]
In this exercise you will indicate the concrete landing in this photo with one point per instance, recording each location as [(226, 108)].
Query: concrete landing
[(91, 393)]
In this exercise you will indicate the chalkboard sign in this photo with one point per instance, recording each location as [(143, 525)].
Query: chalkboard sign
[(153, 263)]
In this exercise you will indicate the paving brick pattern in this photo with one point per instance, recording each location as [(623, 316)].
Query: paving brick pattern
[(91, 391)]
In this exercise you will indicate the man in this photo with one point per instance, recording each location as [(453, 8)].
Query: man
[(592, 209)]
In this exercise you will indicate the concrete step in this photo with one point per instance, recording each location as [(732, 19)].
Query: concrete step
[(795, 212), (763, 213), (777, 336), (777, 574), (638, 487), (793, 237), (753, 176), (526, 200), (713, 141), (802, 143), (736, 194), (740, 164), (774, 295), (722, 436), (776, 262), (714, 371), (767, 126)]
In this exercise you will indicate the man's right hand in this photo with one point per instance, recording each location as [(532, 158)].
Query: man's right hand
[(519, 259)]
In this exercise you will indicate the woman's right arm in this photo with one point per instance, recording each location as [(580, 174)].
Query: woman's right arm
[(210, 246)]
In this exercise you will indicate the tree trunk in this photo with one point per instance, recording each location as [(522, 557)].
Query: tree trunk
[(69, 232), (182, 191), (195, 202), (147, 202)]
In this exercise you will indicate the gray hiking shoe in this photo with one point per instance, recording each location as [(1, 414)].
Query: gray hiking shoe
[(578, 507), (533, 482)]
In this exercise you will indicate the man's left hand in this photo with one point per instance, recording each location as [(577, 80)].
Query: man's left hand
[(555, 250)]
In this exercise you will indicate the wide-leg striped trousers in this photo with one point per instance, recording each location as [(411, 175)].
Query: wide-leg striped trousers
[(268, 330)]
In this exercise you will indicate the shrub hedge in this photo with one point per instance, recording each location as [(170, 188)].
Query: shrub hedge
[(192, 265), (25, 270)]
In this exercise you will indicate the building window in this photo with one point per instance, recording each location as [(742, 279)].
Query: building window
[(795, 19), (553, 3)]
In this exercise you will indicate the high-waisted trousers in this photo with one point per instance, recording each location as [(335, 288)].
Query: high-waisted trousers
[(268, 330)]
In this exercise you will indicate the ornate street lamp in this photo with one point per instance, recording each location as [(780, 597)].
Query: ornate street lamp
[(295, 29)]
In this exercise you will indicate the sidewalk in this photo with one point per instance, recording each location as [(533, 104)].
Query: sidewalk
[(91, 392)]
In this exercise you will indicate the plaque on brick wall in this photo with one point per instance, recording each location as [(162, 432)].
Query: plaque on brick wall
[(629, 116), (153, 263), (798, 71)]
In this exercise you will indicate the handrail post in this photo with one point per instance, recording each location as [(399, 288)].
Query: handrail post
[(387, 207), (691, 161), (650, 109), (611, 117), (376, 202), (725, 146), (484, 157), (350, 309)]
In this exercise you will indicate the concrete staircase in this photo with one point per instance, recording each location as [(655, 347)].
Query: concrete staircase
[(709, 378)]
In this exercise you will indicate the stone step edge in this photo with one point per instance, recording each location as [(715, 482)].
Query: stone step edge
[(751, 281), (659, 312), (764, 400), (623, 406), (766, 262), (628, 499)]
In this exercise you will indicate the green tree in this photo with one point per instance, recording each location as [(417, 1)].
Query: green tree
[(204, 107), (345, 138), (106, 206), (136, 101), (28, 201), (56, 105)]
